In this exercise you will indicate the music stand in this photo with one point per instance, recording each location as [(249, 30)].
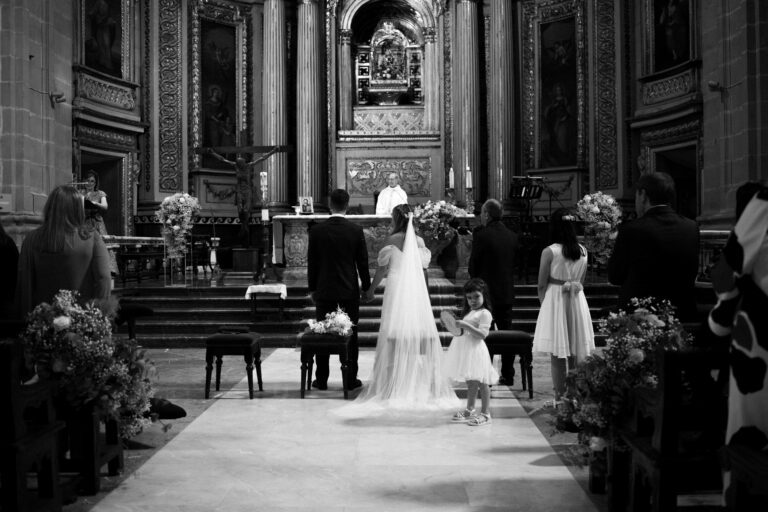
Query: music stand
[(528, 190)]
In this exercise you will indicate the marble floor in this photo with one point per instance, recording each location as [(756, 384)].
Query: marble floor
[(280, 453)]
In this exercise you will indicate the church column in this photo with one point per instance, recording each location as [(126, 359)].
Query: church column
[(309, 105), (467, 126), (345, 80), (501, 146), (275, 102), (431, 81)]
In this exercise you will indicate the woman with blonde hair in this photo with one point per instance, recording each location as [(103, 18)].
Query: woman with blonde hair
[(63, 253)]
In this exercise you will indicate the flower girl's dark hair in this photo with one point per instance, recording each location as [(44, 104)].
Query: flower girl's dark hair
[(476, 285), (564, 233)]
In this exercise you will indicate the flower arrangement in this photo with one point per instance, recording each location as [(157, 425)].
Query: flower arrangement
[(175, 215), (73, 343), (432, 220), (336, 322), (602, 216), (598, 388)]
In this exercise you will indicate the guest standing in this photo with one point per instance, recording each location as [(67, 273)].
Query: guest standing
[(564, 326), (63, 253), (740, 279), (336, 256), (9, 261), (391, 196), (95, 208), (657, 255), (492, 257)]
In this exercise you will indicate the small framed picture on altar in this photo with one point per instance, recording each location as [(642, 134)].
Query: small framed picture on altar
[(305, 204)]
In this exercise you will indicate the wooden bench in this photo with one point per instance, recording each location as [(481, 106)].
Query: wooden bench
[(514, 343)]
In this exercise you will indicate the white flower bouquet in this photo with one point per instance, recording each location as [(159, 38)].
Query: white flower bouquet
[(176, 214), (601, 214), (336, 322), (432, 220)]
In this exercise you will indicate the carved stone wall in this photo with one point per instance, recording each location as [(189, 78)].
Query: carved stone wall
[(169, 104), (364, 177), (607, 126), (388, 120)]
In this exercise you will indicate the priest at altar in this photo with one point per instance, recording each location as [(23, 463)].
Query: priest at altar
[(391, 196)]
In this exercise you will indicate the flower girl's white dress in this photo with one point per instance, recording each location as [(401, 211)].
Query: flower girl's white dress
[(564, 327)]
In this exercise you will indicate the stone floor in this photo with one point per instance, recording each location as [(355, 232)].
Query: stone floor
[(278, 452)]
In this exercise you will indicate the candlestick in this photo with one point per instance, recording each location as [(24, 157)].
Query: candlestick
[(263, 179), (468, 176), (450, 178)]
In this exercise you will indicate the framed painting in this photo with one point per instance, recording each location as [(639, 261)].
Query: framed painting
[(102, 35), (669, 33), (554, 120), (219, 72)]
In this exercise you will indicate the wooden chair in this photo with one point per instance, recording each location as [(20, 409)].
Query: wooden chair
[(230, 342), (514, 343), (676, 431), (28, 437), (312, 344)]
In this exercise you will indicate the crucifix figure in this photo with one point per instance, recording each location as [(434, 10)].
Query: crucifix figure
[(244, 176)]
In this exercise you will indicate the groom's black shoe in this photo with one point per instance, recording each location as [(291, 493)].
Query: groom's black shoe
[(321, 387), (354, 384)]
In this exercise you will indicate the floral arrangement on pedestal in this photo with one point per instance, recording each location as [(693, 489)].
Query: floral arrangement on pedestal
[(176, 214), (435, 222), (336, 322), (598, 388), (73, 343), (601, 215)]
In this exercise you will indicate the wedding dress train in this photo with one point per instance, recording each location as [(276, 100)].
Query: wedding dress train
[(407, 374)]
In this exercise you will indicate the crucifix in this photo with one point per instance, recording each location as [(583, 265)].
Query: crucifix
[(244, 187)]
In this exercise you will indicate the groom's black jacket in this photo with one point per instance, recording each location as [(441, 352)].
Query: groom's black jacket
[(336, 255)]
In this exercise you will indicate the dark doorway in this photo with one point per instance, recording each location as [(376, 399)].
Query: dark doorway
[(680, 163)]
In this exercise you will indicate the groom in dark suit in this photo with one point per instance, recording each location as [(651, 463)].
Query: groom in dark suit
[(336, 255), (657, 254)]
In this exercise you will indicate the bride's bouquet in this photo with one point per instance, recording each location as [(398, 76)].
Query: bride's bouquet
[(336, 322)]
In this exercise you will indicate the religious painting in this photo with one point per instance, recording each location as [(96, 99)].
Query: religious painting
[(305, 205), (103, 36), (554, 92), (671, 33), (218, 66), (558, 127)]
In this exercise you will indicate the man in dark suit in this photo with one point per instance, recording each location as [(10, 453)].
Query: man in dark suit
[(493, 252), (336, 255), (657, 254)]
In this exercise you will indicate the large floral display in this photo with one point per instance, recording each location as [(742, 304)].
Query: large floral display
[(435, 222), (176, 215), (601, 215)]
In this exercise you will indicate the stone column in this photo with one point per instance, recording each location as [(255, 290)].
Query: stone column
[(431, 88), (309, 105), (346, 87), (501, 144), (467, 100), (275, 102)]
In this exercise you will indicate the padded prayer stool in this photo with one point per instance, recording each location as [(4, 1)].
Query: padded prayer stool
[(514, 343), (247, 344), (129, 312), (312, 344)]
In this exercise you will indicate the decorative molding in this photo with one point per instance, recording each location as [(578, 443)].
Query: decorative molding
[(147, 95), (170, 95), (389, 120), (606, 120), (218, 192), (105, 92), (663, 89), (296, 243), (345, 36), (447, 90), (100, 136), (683, 131), (365, 176)]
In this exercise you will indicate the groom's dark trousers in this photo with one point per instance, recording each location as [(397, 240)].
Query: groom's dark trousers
[(352, 308)]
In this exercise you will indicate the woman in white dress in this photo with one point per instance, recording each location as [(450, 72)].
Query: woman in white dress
[(407, 374), (564, 327)]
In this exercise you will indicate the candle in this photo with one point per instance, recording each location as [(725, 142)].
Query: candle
[(263, 179), (468, 177), (450, 178), (265, 214)]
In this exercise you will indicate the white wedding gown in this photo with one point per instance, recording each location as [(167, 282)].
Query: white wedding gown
[(407, 373)]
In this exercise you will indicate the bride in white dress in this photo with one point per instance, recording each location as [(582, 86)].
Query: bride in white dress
[(407, 374)]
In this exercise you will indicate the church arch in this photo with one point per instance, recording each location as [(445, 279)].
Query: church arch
[(425, 11)]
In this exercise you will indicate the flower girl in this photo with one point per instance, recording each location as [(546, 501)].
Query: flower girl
[(468, 358)]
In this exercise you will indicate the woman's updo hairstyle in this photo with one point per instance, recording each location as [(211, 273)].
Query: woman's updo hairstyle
[(400, 218)]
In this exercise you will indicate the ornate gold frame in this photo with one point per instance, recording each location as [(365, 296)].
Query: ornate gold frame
[(534, 13), (225, 14)]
